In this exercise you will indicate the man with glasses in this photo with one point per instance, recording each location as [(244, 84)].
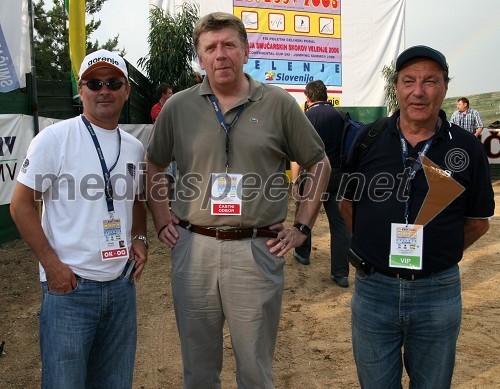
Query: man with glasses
[(231, 136), (91, 242)]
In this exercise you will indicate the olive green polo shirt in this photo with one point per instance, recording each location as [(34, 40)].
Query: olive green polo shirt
[(271, 129)]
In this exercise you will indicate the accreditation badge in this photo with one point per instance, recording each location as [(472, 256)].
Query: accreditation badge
[(406, 246), (226, 194), (113, 239)]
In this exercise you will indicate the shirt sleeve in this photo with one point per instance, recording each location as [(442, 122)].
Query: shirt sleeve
[(155, 111), (159, 147), (478, 120), (454, 118), (303, 142), (41, 168)]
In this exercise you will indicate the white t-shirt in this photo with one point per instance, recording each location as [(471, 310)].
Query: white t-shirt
[(63, 164)]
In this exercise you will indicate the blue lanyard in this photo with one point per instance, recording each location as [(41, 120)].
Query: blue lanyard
[(415, 167), (108, 187), (227, 127)]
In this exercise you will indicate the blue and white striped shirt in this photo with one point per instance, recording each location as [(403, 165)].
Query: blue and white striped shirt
[(468, 120)]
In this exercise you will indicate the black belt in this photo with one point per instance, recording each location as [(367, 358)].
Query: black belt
[(367, 268), (410, 277), (229, 234)]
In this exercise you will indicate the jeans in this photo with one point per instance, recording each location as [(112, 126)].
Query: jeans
[(422, 317), (88, 336), (340, 238)]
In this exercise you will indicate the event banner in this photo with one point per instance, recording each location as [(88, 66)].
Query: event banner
[(491, 141), (344, 43), (16, 132), (15, 57), (293, 42)]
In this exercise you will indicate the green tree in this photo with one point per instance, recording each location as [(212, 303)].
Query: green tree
[(390, 94), (51, 37), (171, 47)]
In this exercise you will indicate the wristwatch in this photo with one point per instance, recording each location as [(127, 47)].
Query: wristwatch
[(143, 238), (303, 228)]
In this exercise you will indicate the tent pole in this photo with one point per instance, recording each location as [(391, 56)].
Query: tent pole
[(34, 93)]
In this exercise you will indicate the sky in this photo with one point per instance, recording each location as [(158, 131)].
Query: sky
[(466, 32)]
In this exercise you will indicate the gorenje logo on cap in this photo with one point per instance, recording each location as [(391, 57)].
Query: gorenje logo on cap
[(103, 59)]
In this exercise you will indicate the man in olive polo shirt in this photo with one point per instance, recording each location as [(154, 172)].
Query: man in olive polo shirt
[(230, 136)]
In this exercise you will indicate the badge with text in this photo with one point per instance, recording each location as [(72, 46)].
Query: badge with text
[(226, 199), (112, 239), (406, 246)]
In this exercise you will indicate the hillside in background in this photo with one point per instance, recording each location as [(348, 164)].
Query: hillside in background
[(488, 105)]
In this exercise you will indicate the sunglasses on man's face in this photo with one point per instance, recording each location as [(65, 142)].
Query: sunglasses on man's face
[(112, 84)]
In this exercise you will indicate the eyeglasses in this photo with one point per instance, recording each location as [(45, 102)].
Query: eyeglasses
[(112, 84)]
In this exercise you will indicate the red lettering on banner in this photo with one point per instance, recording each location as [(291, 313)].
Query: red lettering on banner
[(305, 3), (494, 137)]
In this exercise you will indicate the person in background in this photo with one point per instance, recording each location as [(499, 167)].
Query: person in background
[(408, 240), (163, 93), (230, 136), (329, 124), (86, 170), (467, 118)]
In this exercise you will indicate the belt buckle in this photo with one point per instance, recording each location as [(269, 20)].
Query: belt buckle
[(410, 277), (366, 268), (222, 231)]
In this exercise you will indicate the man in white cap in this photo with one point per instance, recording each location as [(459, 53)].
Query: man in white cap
[(89, 246)]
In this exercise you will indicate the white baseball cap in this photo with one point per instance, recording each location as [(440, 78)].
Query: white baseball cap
[(102, 59)]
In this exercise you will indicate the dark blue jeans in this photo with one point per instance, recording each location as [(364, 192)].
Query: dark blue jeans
[(422, 317), (340, 238), (88, 336)]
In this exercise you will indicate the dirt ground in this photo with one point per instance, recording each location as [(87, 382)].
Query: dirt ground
[(314, 340)]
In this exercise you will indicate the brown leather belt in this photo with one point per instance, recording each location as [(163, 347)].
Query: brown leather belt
[(229, 234)]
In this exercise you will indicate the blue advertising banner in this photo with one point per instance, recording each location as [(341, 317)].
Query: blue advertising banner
[(15, 50), (292, 43), (9, 80), (294, 72)]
